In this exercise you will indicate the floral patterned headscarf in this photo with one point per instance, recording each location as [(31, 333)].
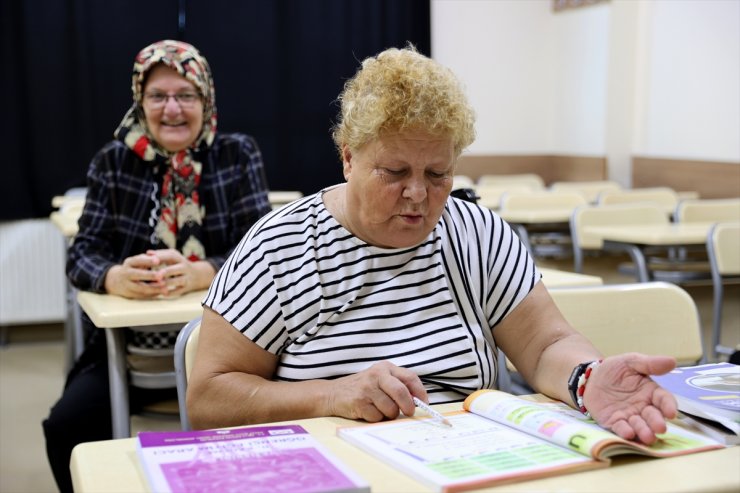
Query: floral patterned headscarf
[(177, 220)]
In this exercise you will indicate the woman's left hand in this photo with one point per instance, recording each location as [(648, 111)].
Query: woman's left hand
[(621, 396), (180, 274)]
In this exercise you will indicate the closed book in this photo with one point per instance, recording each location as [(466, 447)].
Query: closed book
[(710, 391), (260, 459)]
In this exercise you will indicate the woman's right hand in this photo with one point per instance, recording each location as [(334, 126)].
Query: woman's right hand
[(377, 393), (136, 278)]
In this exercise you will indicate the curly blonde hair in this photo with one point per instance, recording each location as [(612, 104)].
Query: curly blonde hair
[(398, 90)]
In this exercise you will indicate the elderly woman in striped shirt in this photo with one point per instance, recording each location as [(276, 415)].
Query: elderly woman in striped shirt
[(352, 301)]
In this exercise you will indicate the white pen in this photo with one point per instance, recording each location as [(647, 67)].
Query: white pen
[(431, 412)]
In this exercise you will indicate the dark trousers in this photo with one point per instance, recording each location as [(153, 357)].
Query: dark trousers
[(83, 412)]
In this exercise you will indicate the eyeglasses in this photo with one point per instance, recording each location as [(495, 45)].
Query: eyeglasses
[(157, 100)]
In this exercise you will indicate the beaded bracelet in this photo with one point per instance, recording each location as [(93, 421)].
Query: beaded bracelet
[(582, 386)]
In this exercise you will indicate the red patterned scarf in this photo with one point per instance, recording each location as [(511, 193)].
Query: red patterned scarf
[(177, 216)]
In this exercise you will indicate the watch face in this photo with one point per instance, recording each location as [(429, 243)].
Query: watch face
[(577, 371)]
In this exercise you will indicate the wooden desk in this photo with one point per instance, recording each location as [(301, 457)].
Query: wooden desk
[(537, 216), (112, 466), (59, 201), (527, 221), (112, 313), (633, 239), (66, 223), (687, 195), (65, 220), (553, 278), (69, 211), (279, 198)]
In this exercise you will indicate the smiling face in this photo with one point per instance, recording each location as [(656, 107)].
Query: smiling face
[(397, 186), (173, 127)]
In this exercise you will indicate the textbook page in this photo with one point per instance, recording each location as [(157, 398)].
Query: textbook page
[(560, 424), (471, 453)]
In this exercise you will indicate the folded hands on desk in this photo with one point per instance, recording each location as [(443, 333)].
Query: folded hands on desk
[(158, 273)]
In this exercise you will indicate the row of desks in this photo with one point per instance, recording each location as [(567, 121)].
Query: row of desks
[(635, 239), (631, 239)]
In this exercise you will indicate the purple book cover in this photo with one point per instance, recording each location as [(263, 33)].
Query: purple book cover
[(715, 387), (259, 459), (158, 439)]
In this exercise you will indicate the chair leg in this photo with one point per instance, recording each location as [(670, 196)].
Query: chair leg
[(523, 235), (578, 260), (717, 347), (716, 317)]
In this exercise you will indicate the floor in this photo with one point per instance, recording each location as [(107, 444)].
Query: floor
[(31, 378)]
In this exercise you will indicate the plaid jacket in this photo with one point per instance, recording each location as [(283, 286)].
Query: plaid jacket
[(115, 224)]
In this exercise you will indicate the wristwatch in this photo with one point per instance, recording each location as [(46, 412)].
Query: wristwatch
[(573, 381)]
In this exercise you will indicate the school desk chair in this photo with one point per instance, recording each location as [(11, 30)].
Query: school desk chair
[(185, 348), (723, 250)]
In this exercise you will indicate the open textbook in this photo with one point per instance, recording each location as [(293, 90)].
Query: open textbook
[(502, 438), (274, 458)]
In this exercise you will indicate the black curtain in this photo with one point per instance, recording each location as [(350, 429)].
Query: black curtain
[(278, 67)]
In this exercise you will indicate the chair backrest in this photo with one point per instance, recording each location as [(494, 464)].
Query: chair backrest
[(185, 348), (607, 215), (279, 198), (462, 181), (76, 192), (723, 248), (651, 318), (663, 197), (541, 200), (533, 180), (707, 210), (589, 189), (723, 251), (73, 207), (490, 194)]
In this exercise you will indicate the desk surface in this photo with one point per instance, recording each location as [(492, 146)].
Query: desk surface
[(59, 201), (66, 223), (660, 234), (534, 216), (110, 311), (553, 278), (283, 196), (113, 466)]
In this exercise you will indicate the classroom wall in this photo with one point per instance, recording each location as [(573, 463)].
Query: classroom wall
[(692, 100), (616, 79)]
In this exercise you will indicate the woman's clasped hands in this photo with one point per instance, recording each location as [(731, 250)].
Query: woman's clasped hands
[(157, 273)]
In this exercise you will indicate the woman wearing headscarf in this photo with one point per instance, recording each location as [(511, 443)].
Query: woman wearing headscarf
[(168, 198)]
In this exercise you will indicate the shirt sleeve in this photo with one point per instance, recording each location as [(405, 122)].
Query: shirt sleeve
[(92, 252), (512, 272), (244, 294)]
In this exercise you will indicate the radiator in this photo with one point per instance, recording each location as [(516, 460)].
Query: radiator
[(32, 279)]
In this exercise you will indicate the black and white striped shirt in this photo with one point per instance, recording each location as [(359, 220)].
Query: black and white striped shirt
[(303, 287)]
